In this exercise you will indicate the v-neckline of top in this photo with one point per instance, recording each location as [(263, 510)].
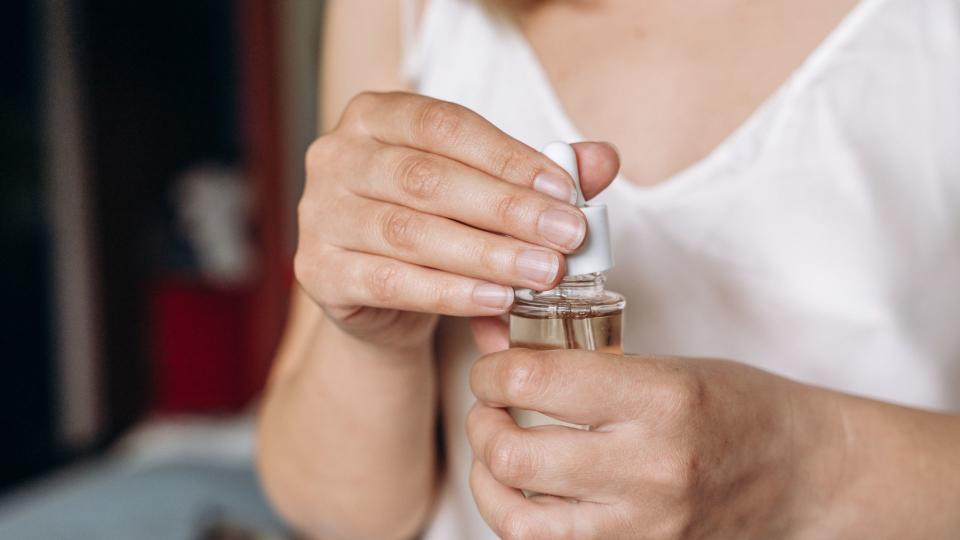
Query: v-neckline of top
[(733, 148)]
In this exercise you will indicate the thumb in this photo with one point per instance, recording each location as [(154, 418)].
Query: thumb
[(599, 164), (491, 334)]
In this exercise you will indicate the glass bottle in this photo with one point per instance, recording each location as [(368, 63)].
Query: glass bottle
[(579, 313)]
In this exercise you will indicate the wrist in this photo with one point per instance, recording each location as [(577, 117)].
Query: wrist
[(820, 461), (385, 333), (873, 469), (381, 351), (339, 363)]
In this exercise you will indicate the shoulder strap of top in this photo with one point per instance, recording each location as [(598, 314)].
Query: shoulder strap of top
[(417, 24), (428, 27), (410, 15)]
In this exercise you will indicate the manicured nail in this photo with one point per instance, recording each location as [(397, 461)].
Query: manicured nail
[(555, 186), (493, 296), (537, 265), (564, 229)]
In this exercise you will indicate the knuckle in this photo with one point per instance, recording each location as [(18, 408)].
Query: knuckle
[(320, 152), (440, 121), (307, 268), (446, 298), (420, 177), (509, 208), (357, 108), (488, 257), (688, 393), (383, 283), (315, 208), (525, 377), (302, 268), (511, 163), (402, 229), (509, 461), (361, 101)]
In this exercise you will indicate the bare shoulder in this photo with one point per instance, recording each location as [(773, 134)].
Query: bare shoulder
[(361, 50)]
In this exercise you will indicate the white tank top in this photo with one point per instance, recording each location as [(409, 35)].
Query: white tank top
[(819, 241)]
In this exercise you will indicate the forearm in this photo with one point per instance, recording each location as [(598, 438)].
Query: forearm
[(891, 472), (346, 437)]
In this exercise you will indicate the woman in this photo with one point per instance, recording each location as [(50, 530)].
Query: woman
[(787, 201)]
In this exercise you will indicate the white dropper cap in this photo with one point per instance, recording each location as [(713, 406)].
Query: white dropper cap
[(595, 254)]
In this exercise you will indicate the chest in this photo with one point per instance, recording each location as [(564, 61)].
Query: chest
[(667, 82)]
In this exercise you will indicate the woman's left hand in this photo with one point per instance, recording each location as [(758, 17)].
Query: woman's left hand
[(678, 448)]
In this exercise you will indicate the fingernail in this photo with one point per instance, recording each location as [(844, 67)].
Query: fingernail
[(493, 296), (613, 147), (555, 186), (537, 265), (562, 228)]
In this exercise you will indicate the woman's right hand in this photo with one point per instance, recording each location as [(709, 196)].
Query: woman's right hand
[(415, 207)]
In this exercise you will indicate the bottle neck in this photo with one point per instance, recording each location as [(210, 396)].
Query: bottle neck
[(578, 296), (584, 286)]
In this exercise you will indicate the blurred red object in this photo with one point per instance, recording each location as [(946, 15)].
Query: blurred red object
[(213, 345), (264, 142), (201, 347)]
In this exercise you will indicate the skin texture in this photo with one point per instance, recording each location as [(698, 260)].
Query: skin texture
[(697, 448), (693, 71), (405, 211), (415, 208), (405, 215)]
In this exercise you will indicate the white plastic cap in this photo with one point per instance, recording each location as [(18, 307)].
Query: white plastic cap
[(596, 254)]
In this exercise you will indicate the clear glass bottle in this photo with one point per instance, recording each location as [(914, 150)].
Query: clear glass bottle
[(579, 313)]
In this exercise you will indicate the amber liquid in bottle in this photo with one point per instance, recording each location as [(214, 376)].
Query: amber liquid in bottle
[(578, 314)]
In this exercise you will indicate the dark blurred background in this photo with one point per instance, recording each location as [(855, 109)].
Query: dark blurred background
[(151, 158)]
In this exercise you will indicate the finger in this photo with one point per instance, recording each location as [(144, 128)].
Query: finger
[(346, 278), (491, 334), (448, 129), (438, 185), (511, 515), (436, 242), (557, 460), (598, 163), (580, 387)]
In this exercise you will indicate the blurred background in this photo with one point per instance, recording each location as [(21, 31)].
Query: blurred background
[(151, 161)]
